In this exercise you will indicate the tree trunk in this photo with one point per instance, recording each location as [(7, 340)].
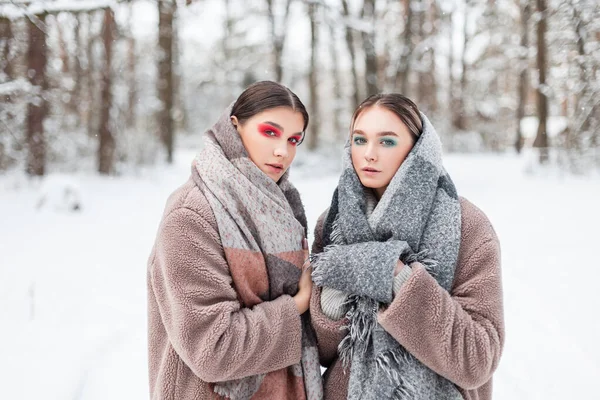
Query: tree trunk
[(91, 96), (351, 51), (451, 80), (407, 49), (106, 149), (541, 140), (278, 37), (75, 103), (586, 106), (431, 92), (337, 85), (130, 118), (6, 37), (459, 117), (166, 10), (37, 110), (369, 48), (131, 66), (313, 134), (523, 76), (62, 47)]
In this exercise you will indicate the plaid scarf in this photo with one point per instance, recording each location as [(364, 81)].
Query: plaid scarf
[(261, 224)]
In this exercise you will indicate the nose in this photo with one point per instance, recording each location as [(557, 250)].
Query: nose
[(281, 151), (370, 153)]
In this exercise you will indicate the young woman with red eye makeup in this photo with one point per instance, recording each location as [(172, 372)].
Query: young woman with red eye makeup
[(228, 277)]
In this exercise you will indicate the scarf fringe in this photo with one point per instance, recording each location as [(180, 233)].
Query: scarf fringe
[(317, 262), (422, 257), (391, 363), (362, 320)]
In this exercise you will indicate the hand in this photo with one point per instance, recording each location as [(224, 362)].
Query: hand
[(399, 266), (302, 298)]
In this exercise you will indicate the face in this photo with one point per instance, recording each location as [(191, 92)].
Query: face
[(270, 138), (380, 143)]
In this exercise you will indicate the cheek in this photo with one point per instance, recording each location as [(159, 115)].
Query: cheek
[(355, 154), (395, 158), (254, 144)]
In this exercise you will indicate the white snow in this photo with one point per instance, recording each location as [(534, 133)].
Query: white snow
[(73, 285), (16, 10), (555, 126), (17, 86)]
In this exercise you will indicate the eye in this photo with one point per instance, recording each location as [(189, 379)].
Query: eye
[(269, 132), (294, 140), (358, 140), (388, 142)]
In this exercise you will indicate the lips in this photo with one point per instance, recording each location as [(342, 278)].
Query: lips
[(275, 168), (370, 170)]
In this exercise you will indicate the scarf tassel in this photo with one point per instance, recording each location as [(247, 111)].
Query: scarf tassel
[(391, 363)]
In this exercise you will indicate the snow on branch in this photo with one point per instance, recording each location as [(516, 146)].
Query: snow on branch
[(16, 87), (19, 9)]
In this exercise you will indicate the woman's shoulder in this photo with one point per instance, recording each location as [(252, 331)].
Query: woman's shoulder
[(191, 197), (476, 227), (321, 220)]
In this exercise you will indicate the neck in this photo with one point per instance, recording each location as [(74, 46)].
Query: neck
[(379, 192)]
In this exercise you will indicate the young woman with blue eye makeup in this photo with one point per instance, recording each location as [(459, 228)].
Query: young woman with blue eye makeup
[(407, 295)]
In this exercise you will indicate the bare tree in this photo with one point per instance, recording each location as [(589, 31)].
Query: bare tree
[(541, 139), (428, 81), (459, 118), (131, 70), (451, 79), (407, 50), (278, 34), (337, 85), (166, 11), (6, 37), (524, 67), (368, 38), (76, 94), (587, 114), (106, 149), (91, 80), (351, 50), (37, 110), (313, 138)]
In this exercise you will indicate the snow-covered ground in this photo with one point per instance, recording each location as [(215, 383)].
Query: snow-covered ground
[(73, 285)]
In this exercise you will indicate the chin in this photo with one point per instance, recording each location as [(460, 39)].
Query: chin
[(370, 183)]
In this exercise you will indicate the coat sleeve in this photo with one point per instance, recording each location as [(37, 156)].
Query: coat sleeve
[(329, 332), (205, 323), (459, 335)]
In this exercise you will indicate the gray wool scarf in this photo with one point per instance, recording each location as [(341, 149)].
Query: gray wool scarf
[(417, 219), (257, 218)]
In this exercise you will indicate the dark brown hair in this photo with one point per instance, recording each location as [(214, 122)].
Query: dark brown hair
[(400, 105), (264, 95)]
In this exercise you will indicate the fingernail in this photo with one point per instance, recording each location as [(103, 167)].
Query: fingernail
[(304, 244)]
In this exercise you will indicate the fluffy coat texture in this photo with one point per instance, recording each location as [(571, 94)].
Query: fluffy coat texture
[(418, 220), (227, 259), (458, 334)]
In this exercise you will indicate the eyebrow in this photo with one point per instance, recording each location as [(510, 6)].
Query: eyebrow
[(276, 125), (379, 134)]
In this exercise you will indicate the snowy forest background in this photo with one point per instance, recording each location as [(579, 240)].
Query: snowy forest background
[(103, 105), (107, 85)]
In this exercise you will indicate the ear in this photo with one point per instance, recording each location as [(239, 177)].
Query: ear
[(234, 121)]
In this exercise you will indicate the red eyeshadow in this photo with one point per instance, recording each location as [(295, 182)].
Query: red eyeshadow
[(298, 139), (263, 128)]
